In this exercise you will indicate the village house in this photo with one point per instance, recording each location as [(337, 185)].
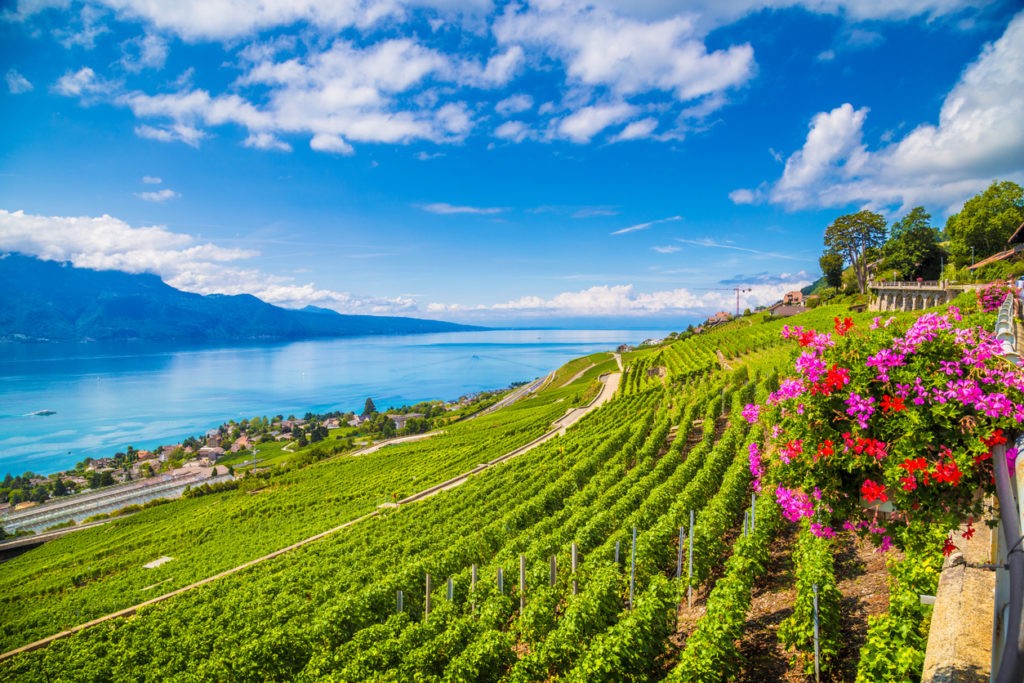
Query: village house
[(716, 320), (241, 443), (794, 298), (289, 425), (101, 464), (213, 453), (401, 420), (1016, 247), (784, 310), (213, 437), (142, 456)]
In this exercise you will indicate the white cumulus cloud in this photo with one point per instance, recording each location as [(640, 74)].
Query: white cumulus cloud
[(16, 83), (629, 56), (108, 243), (158, 196), (582, 125), (266, 141), (81, 83), (324, 142), (625, 300), (145, 52), (516, 131), (514, 104), (178, 132), (979, 136), (444, 208)]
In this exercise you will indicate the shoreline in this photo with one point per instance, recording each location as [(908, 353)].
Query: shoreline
[(104, 403)]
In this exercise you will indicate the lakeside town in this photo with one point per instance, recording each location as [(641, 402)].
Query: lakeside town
[(248, 445)]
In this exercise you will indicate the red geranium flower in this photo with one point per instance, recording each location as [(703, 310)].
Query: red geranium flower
[(873, 491), (824, 449), (948, 472), (995, 439), (912, 465), (891, 404)]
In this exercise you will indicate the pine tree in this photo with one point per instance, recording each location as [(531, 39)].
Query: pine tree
[(369, 408)]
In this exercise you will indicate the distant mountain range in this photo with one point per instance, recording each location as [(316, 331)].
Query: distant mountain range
[(46, 301)]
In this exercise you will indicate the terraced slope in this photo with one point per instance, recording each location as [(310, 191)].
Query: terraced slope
[(672, 442)]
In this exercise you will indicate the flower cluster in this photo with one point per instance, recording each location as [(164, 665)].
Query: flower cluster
[(889, 430), (992, 297)]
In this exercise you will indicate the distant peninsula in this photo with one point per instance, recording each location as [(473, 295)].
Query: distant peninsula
[(49, 301)]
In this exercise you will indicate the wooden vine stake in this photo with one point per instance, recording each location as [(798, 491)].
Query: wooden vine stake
[(632, 571), (426, 611), (575, 584), (679, 555), (472, 586), (522, 582), (689, 574), (817, 653)]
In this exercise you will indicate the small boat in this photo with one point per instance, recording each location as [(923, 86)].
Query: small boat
[(43, 413)]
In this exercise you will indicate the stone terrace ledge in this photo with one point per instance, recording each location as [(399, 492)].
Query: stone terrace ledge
[(890, 295), (960, 638)]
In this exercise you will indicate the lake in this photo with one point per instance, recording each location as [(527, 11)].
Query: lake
[(106, 397)]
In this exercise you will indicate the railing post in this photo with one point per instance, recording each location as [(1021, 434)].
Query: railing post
[(1010, 666)]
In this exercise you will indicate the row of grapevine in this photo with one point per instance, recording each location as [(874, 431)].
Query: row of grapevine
[(815, 567), (710, 652), (536, 625)]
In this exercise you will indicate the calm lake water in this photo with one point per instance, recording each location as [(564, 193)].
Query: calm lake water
[(107, 397)]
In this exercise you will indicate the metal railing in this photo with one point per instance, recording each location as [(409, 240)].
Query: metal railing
[(908, 284), (1006, 334)]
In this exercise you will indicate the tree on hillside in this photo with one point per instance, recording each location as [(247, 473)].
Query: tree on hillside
[(851, 236), (913, 247), (369, 408), (986, 222), (832, 268)]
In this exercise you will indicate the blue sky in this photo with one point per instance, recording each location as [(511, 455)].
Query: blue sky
[(603, 163)]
